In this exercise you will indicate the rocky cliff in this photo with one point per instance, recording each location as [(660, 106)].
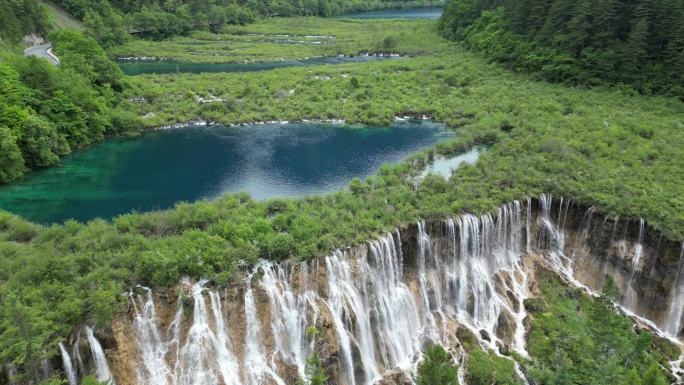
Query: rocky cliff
[(376, 305)]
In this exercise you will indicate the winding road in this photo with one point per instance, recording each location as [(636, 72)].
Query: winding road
[(44, 51)]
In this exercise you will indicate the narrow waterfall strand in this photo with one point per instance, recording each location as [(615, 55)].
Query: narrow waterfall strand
[(68, 367)]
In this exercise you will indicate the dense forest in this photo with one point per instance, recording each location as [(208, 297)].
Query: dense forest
[(111, 20), (47, 111), (20, 18), (590, 42)]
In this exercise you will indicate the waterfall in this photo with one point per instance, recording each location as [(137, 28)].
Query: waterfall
[(392, 305), (428, 280), (227, 363), (101, 367), (153, 350), (257, 367), (377, 305), (289, 314), (76, 353), (175, 329), (205, 355), (673, 323), (351, 317), (68, 367), (630, 297), (638, 248), (204, 358), (551, 238)]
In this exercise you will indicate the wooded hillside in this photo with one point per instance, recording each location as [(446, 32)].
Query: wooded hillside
[(588, 42)]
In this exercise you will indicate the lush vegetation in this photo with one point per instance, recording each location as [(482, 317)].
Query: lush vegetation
[(589, 42), (575, 339), (87, 380), (437, 368), (19, 18), (46, 112), (578, 143), (111, 20), (314, 365), (293, 38), (485, 367), (584, 144)]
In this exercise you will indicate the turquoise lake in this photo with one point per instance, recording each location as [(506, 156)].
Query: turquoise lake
[(157, 169)]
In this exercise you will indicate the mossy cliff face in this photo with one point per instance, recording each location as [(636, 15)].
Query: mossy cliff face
[(376, 305)]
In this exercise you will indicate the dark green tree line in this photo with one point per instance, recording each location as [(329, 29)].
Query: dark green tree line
[(47, 111), (110, 20), (588, 42), (21, 17)]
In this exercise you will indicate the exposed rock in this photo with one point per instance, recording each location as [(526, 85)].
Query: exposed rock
[(485, 335), (534, 305), (394, 377), (120, 361), (597, 247), (505, 327)]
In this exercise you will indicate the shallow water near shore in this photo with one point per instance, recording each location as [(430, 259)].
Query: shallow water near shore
[(140, 67), (408, 13), (157, 169)]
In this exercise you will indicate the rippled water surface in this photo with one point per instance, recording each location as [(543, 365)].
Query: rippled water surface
[(156, 170)]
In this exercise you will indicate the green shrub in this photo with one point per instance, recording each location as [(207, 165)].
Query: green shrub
[(437, 368)]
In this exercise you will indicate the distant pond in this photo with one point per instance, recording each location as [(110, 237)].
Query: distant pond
[(139, 67), (408, 13), (157, 169)]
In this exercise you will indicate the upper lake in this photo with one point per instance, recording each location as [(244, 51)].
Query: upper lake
[(134, 67), (157, 169), (408, 13)]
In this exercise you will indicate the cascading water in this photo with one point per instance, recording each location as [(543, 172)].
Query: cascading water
[(289, 314), (638, 248), (201, 348), (379, 303), (203, 358), (393, 307), (430, 290), (152, 347), (352, 318), (257, 367), (76, 353), (68, 367), (630, 297), (674, 314), (227, 363), (102, 371)]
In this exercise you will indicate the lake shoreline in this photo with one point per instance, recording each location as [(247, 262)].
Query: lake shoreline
[(169, 66), (156, 170), (204, 123)]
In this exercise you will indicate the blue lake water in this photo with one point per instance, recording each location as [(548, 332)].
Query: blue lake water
[(170, 67), (409, 13), (157, 169)]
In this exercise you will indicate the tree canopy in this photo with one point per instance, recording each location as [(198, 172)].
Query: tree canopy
[(46, 111), (110, 20), (22, 17), (639, 43)]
